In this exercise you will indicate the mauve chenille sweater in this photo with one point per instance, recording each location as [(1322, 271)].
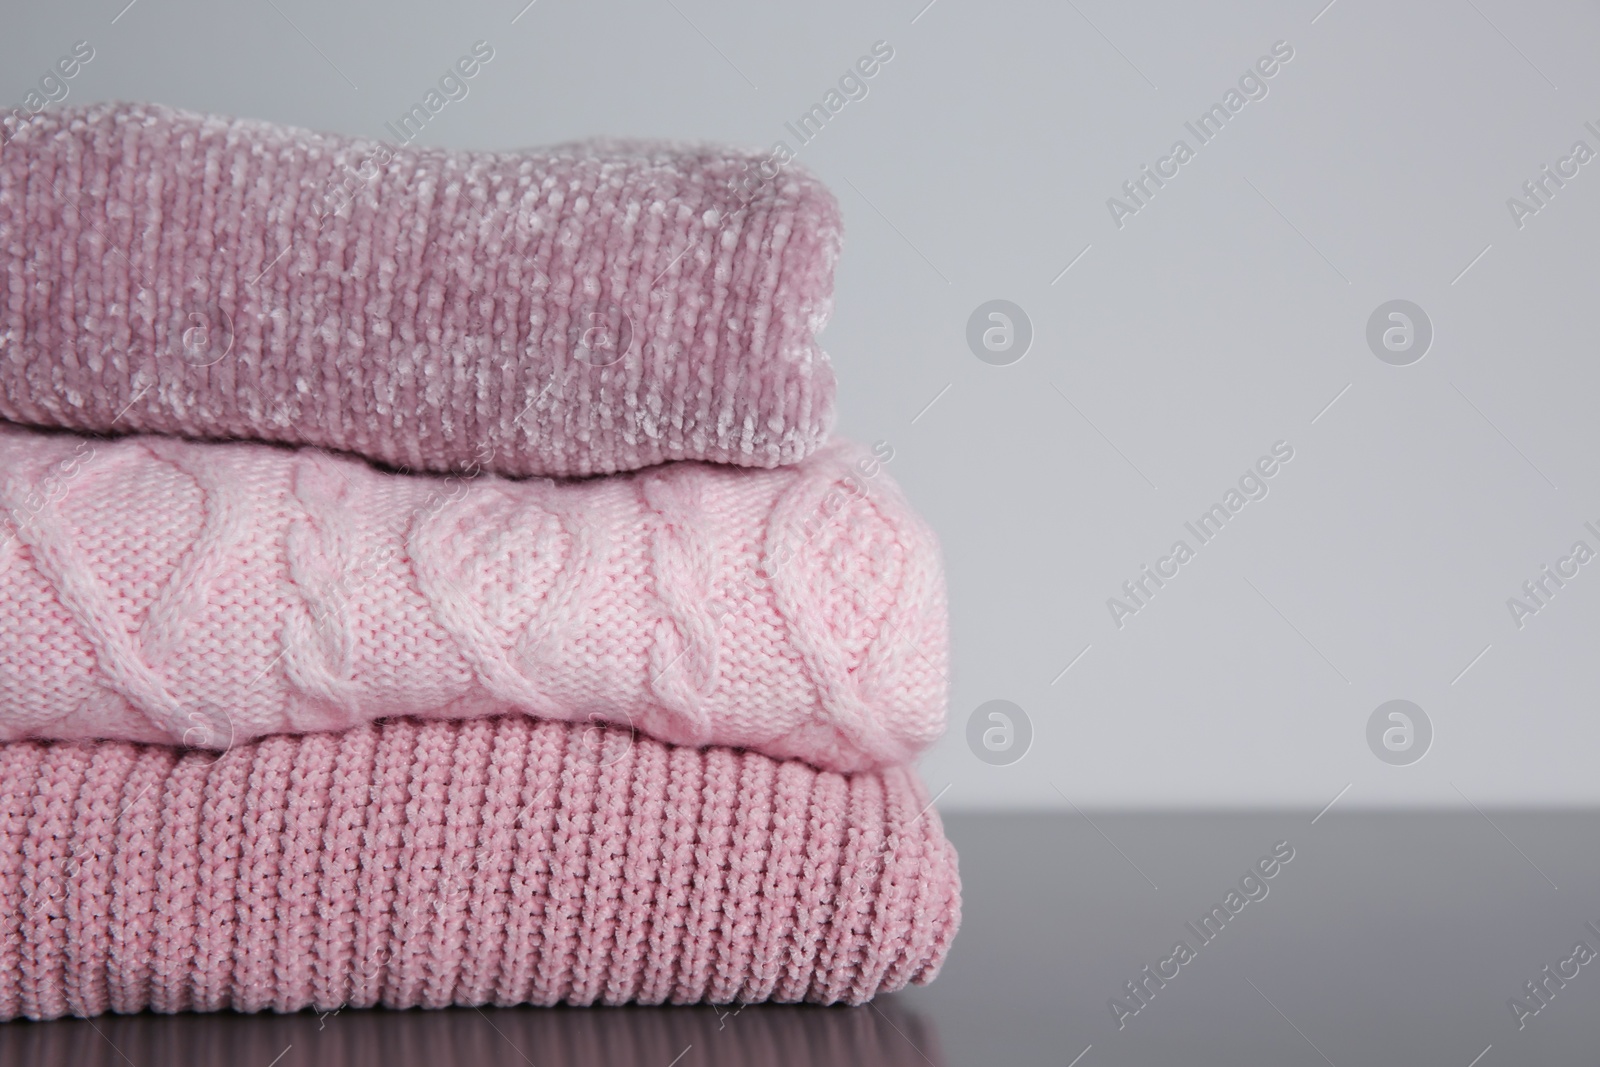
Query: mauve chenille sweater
[(582, 309)]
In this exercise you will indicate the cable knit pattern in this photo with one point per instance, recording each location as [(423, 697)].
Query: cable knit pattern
[(582, 309), (205, 594), (499, 861)]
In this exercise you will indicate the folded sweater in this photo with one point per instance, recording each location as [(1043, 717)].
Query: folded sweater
[(588, 308), (168, 591), (494, 861)]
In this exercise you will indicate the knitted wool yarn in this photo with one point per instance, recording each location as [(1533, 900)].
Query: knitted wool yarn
[(167, 591), (496, 861), (588, 308)]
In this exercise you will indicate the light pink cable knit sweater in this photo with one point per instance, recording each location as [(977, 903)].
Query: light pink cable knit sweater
[(494, 861), (583, 309), (162, 590)]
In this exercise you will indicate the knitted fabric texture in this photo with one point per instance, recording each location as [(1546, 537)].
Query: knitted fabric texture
[(497, 861), (160, 590), (582, 309)]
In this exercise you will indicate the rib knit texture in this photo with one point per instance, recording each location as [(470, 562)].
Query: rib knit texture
[(588, 308), (160, 590), (498, 861)]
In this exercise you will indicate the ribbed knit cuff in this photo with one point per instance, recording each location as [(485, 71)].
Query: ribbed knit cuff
[(498, 861)]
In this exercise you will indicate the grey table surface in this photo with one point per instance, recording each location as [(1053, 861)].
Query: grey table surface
[(1387, 938)]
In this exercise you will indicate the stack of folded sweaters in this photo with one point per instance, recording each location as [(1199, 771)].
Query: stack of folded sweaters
[(425, 579)]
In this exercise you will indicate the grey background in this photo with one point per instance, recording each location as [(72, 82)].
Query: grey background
[(1220, 319)]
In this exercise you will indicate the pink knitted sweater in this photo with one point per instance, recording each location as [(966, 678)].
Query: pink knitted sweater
[(204, 594), (582, 309), (495, 861)]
